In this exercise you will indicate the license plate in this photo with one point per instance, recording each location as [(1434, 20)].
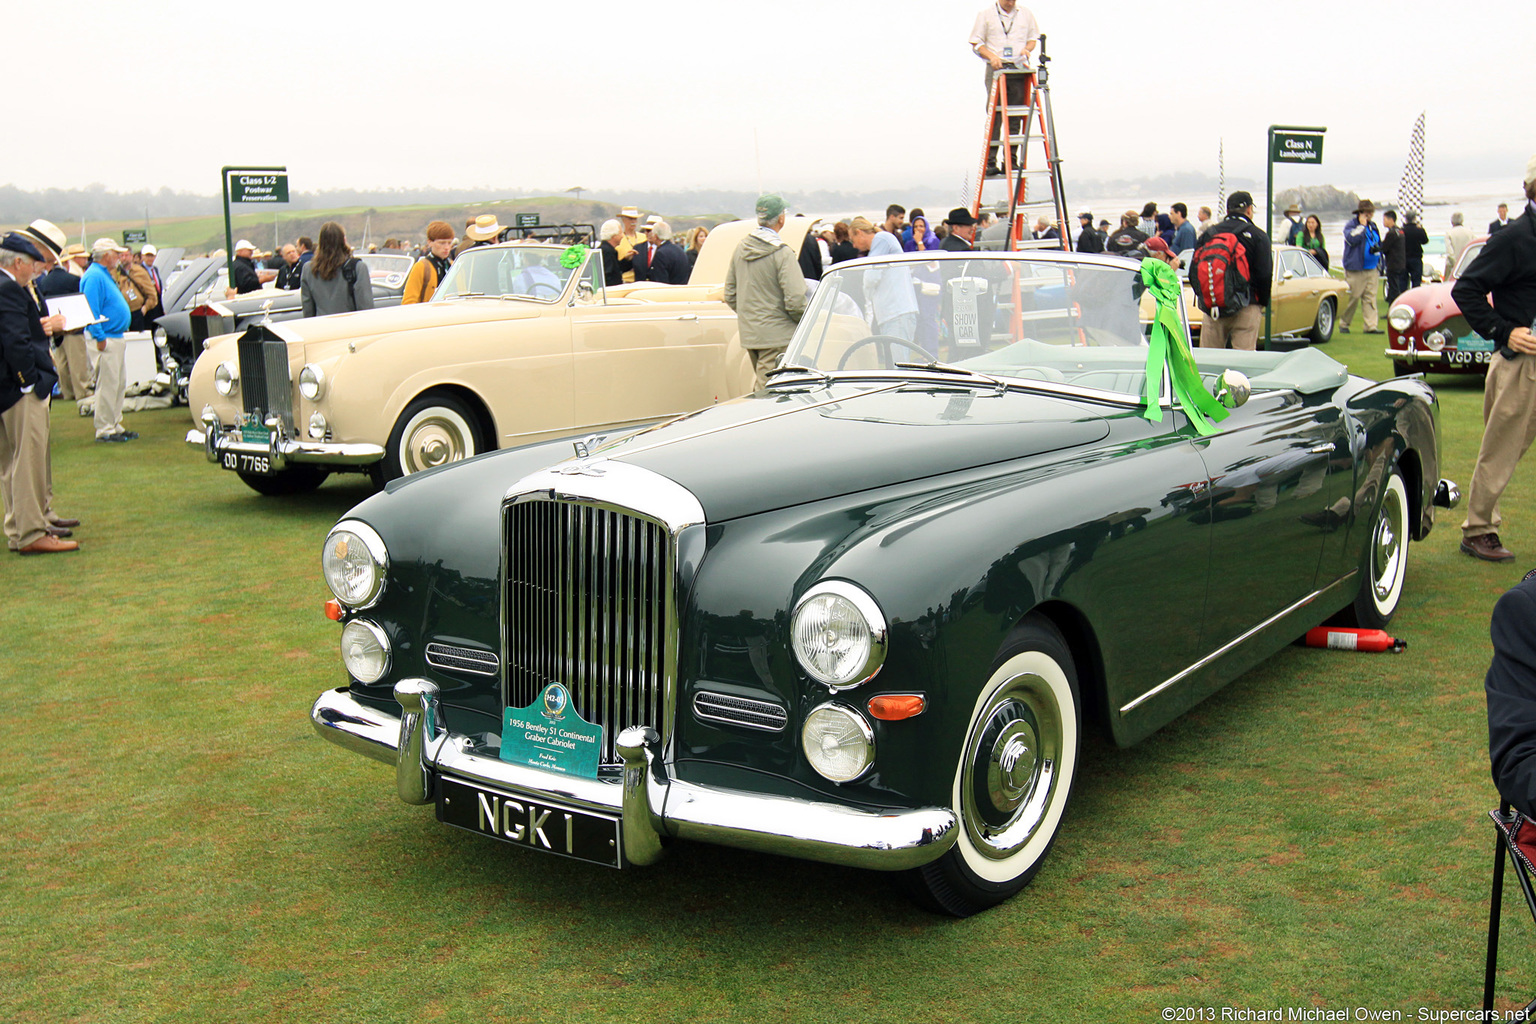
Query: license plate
[(241, 462), (536, 824)]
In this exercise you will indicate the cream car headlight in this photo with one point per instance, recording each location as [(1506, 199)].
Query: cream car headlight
[(838, 742), (311, 381), (838, 634), (355, 561), (226, 378), (1400, 317), (364, 651), (318, 426)]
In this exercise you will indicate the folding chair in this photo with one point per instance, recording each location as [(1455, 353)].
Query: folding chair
[(1517, 834)]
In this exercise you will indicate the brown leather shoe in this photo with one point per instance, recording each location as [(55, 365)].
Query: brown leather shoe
[(49, 545), (68, 524), (1487, 547)]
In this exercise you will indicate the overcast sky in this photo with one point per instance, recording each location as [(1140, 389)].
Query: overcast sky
[(790, 94)]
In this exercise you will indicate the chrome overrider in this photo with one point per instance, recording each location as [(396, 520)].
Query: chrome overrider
[(216, 439), (648, 801)]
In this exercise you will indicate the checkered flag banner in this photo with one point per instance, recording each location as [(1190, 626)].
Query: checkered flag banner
[(1410, 193), (1220, 212)]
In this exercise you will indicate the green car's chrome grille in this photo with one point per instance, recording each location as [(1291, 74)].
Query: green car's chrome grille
[(588, 604)]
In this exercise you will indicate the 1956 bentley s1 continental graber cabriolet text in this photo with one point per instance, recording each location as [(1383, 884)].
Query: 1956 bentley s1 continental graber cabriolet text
[(863, 615)]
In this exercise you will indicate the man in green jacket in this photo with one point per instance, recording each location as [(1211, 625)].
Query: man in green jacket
[(766, 289)]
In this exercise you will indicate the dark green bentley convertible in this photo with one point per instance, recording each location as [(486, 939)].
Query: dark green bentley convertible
[(863, 615)]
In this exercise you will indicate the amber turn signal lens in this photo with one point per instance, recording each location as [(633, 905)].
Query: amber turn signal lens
[(893, 707), (333, 610)]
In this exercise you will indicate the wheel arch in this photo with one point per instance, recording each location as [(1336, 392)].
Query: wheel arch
[(1083, 643), (485, 420)]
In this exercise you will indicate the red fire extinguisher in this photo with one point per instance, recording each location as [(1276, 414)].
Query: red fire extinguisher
[(1340, 638)]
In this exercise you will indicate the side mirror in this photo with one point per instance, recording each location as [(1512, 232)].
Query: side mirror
[(1288, 275), (583, 290), (1232, 389)]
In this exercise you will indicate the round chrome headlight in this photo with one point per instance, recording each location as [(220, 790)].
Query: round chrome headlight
[(1401, 318), (318, 426), (364, 651), (1435, 340), (837, 742), (226, 378), (838, 634), (355, 561), (311, 381)]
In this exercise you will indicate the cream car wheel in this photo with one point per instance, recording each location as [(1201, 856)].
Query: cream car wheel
[(1013, 777), (433, 431)]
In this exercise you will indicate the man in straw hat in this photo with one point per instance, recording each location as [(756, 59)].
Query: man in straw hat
[(1504, 271), (482, 230), (766, 289), (111, 312), (629, 216), (26, 387), (1292, 226)]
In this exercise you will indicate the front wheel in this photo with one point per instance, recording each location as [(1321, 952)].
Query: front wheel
[(1322, 327), (434, 430), (1385, 565), (299, 479), (1013, 777)]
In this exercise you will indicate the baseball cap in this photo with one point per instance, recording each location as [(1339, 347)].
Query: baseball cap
[(770, 205), (102, 245), (1239, 201), (244, 243), (148, 250)]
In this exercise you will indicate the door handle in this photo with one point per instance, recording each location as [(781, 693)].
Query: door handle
[(1322, 449), (689, 316)]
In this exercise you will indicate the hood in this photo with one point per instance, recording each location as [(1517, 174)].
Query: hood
[(760, 243), (776, 449)]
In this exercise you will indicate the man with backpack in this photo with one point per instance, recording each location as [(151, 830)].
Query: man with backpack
[(1230, 273)]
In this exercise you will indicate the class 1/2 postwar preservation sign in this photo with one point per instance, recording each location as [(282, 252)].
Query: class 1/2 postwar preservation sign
[(258, 188), (1297, 148)]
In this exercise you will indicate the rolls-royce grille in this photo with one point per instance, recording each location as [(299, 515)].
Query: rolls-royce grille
[(264, 384), (589, 605), (462, 659)]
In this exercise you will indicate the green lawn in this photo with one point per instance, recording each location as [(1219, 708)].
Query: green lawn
[(180, 846)]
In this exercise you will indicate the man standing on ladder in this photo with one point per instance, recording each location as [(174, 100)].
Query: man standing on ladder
[(1005, 36)]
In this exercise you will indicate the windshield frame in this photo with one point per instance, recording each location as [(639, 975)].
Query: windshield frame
[(947, 376)]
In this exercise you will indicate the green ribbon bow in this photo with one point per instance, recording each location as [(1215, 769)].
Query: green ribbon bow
[(574, 256), (1168, 347)]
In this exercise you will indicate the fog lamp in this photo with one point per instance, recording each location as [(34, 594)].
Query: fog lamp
[(318, 426), (838, 742), (1435, 340), (364, 651)]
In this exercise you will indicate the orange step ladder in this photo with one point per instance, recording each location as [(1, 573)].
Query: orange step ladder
[(1034, 144)]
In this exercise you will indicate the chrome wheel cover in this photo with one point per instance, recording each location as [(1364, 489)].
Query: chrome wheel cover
[(435, 437), (1389, 547), (1325, 319), (1011, 765)]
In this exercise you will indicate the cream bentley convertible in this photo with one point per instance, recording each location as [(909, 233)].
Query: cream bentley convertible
[(521, 343)]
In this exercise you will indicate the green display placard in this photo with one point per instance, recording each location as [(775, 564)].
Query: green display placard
[(526, 220), (257, 187), (1297, 148), (549, 734), (132, 236)]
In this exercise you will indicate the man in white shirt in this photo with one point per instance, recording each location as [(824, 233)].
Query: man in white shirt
[(1456, 241), (893, 304), (1005, 36)]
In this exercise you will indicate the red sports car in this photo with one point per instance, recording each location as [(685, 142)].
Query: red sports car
[(1427, 333)]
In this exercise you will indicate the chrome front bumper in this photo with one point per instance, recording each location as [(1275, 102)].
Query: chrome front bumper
[(649, 804), (283, 450)]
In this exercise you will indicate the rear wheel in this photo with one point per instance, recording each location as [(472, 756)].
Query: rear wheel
[(1322, 327), (293, 480), (1013, 776), (1385, 565)]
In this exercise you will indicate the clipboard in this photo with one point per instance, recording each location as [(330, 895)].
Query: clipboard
[(76, 309)]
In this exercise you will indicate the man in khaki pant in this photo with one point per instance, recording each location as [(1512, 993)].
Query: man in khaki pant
[(1239, 330), (111, 310), (1506, 271), (70, 356)]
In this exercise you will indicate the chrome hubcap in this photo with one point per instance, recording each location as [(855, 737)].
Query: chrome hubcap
[(1387, 548), (1011, 767), (434, 442)]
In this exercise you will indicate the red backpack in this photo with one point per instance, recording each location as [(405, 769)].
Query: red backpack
[(1222, 283)]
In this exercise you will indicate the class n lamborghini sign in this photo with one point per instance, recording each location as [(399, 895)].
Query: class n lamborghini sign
[(1296, 148)]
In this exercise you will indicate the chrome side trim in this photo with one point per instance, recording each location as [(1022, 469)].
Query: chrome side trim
[(652, 804), (1224, 648)]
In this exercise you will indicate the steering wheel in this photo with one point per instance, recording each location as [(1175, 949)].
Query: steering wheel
[(886, 341), (554, 292)]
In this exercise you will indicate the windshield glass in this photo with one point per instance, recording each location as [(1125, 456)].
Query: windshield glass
[(1472, 253), (507, 271), (1060, 321), (386, 270)]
